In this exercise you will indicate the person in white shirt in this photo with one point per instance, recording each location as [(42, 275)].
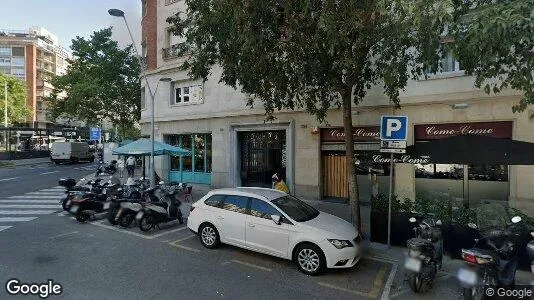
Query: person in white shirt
[(120, 165), (130, 166)]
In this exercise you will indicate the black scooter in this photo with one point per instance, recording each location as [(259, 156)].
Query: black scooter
[(166, 210), (91, 204), (74, 191), (494, 265), (425, 253)]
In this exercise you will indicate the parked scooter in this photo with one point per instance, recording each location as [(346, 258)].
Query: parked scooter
[(91, 204), (425, 253), (494, 265), (123, 211), (155, 213), (75, 190), (109, 169), (530, 252)]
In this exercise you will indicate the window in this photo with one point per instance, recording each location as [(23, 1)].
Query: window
[(17, 61), (235, 203), (187, 160), (200, 146), (5, 61), (18, 71), (447, 62), (18, 51), (262, 209), (208, 153), (181, 95), (439, 171), (488, 172), (143, 98), (215, 200), (296, 209), (5, 51)]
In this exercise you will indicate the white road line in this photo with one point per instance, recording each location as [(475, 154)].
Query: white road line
[(35, 197), (46, 193), (391, 277), (121, 230), (26, 212), (29, 201), (8, 179), (16, 219), (53, 190), (167, 232), (52, 206), (4, 227), (63, 213), (51, 172), (64, 234)]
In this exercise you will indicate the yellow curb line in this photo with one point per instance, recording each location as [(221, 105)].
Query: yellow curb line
[(251, 265)]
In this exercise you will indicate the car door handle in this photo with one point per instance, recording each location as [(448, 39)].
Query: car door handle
[(251, 225)]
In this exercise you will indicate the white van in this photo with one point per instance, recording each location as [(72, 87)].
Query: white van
[(70, 152)]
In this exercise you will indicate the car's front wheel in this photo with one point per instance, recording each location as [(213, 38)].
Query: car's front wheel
[(310, 259), (209, 236)]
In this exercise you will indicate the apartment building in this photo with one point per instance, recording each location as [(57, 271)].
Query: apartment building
[(33, 55), (233, 146)]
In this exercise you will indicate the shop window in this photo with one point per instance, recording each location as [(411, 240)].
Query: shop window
[(439, 171), (208, 153), (488, 172), (200, 144), (187, 160)]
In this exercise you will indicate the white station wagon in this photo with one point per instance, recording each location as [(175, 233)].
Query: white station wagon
[(278, 224)]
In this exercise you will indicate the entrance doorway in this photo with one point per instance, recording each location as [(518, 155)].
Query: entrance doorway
[(263, 153)]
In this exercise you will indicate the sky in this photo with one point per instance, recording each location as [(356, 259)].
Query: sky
[(70, 18)]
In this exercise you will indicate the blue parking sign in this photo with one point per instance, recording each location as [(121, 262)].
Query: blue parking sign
[(394, 128), (94, 134)]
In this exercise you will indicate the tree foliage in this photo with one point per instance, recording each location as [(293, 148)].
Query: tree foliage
[(101, 83), (494, 41), (17, 107)]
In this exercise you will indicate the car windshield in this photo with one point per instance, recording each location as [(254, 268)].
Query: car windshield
[(295, 208)]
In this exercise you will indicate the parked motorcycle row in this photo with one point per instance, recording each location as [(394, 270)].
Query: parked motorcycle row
[(124, 204), (491, 262)]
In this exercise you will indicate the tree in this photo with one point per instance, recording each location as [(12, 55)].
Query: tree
[(494, 41), (314, 55), (101, 83), (17, 107)]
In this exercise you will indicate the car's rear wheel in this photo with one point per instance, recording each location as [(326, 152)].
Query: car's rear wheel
[(310, 259), (209, 236)]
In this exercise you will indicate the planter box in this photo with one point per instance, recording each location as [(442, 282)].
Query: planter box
[(401, 228)]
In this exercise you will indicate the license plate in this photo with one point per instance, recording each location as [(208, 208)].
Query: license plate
[(467, 276), (74, 209), (413, 264), (106, 205), (139, 215)]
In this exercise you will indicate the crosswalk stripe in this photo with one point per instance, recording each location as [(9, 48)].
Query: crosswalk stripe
[(28, 201), (46, 193), (36, 197), (53, 190), (26, 212), (28, 206), (4, 227), (17, 219)]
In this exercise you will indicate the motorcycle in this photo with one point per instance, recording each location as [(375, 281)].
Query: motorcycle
[(492, 262), (425, 253), (122, 211), (91, 204), (155, 213), (74, 190), (109, 169)]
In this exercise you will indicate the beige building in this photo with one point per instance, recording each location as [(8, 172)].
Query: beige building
[(233, 146), (33, 55)]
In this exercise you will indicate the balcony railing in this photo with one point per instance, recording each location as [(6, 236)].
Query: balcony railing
[(176, 50)]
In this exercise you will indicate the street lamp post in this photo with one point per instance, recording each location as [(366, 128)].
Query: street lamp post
[(119, 13), (5, 113)]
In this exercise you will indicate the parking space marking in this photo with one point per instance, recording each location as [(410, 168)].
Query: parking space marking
[(4, 227), (183, 239), (99, 223), (407, 290), (251, 265), (184, 247), (355, 292), (51, 172), (373, 294), (64, 234), (8, 179), (167, 232)]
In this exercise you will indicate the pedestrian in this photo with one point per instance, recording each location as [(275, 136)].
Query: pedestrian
[(120, 165), (130, 166)]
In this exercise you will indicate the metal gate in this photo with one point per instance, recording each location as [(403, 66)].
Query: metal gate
[(263, 153)]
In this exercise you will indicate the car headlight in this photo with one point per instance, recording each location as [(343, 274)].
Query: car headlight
[(340, 244)]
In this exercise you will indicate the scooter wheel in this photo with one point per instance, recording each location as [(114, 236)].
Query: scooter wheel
[(180, 218), (111, 217), (64, 204), (145, 224), (416, 282), (126, 220), (82, 216)]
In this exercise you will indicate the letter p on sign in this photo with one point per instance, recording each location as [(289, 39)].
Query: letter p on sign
[(394, 128)]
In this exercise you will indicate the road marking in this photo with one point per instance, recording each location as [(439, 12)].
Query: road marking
[(167, 232), (183, 239), (4, 227), (63, 213), (355, 292), (56, 189), (46, 193), (389, 282), (29, 206), (51, 172), (251, 265), (17, 219), (184, 247), (8, 179), (99, 223), (29, 201), (373, 294), (35, 197), (26, 212), (64, 234)]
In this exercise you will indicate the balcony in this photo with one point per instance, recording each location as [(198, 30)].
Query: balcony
[(175, 51)]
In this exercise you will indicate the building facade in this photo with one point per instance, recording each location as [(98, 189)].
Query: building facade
[(233, 146), (33, 55)]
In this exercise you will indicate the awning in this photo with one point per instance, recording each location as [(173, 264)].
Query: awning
[(474, 149), (143, 147)]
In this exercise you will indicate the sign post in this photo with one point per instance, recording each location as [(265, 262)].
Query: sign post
[(393, 134)]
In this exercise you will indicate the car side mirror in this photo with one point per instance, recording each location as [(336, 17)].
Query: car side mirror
[(472, 225), (276, 219), (516, 219), (412, 220)]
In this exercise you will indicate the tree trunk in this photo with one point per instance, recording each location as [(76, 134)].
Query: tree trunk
[(351, 166)]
